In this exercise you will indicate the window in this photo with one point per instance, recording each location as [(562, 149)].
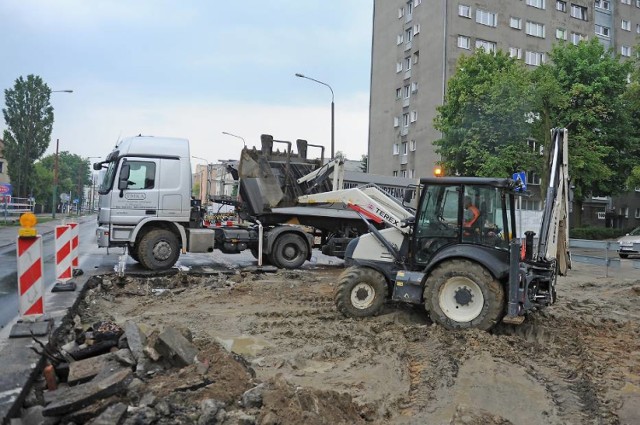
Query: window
[(464, 11), (625, 212), (638, 28), (399, 39), (603, 4), (577, 37), (486, 18), (637, 3), (1, 166), (405, 120), (416, 29), (535, 29), (625, 1), (408, 35), (637, 212), (416, 57), (398, 67), (407, 63), (533, 178), (409, 8), (403, 173), (515, 52), (578, 12), (561, 6), (515, 23), (464, 42), (407, 92), (488, 46), (626, 25), (414, 116), (601, 215), (561, 33), (396, 122), (142, 175), (602, 30), (414, 87), (412, 145), (536, 3), (395, 173), (396, 148), (400, 12), (534, 58), (398, 93), (417, 2), (625, 51)]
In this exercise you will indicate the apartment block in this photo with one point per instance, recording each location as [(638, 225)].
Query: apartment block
[(416, 45)]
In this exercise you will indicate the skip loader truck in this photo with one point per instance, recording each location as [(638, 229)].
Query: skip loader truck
[(467, 275)]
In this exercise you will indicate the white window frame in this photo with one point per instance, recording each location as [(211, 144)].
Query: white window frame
[(484, 17), (538, 4), (534, 58), (515, 52), (417, 3), (396, 149), (400, 12), (637, 3), (625, 25), (414, 116), (399, 93), (405, 120), (464, 42), (396, 122), (625, 1), (577, 37), (414, 87), (638, 28), (488, 46), (406, 92), (416, 29), (398, 67), (412, 145), (515, 23), (407, 63), (535, 29), (561, 6), (395, 173), (561, 34), (416, 57), (602, 31), (603, 4), (399, 39), (579, 12), (408, 35), (464, 11), (625, 51), (637, 213), (601, 215), (405, 148)]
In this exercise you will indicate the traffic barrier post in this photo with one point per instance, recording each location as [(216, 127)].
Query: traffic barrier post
[(75, 242), (64, 259)]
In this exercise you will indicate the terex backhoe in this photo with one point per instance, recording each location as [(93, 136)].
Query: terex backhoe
[(467, 273)]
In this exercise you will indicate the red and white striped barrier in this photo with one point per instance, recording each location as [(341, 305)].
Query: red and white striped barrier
[(75, 229), (30, 279), (63, 253)]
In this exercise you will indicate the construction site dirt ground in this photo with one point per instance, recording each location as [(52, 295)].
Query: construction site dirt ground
[(577, 362)]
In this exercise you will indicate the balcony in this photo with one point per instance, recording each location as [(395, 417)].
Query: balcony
[(407, 46), (405, 102), (404, 131), (404, 160), (407, 74)]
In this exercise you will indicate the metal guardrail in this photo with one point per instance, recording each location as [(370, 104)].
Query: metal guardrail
[(12, 210), (610, 251)]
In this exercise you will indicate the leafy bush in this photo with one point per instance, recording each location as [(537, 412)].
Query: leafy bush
[(596, 233)]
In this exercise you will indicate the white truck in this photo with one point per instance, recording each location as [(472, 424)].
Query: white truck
[(146, 205)]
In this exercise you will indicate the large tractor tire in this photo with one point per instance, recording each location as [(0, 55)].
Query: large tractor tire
[(461, 294), (158, 250), (290, 251), (361, 292)]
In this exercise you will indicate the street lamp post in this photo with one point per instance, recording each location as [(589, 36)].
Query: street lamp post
[(55, 169), (332, 110), (238, 137)]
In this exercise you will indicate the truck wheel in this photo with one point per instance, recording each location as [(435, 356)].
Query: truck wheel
[(158, 250), (266, 261), (361, 292), (461, 294), (624, 255), (133, 253), (290, 251)]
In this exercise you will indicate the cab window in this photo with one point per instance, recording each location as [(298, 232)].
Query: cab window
[(142, 175)]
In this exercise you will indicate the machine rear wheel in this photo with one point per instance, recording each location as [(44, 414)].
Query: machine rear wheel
[(158, 250), (624, 255), (266, 261), (461, 294), (361, 292), (290, 251)]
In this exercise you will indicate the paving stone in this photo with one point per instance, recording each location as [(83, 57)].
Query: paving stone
[(113, 415), (84, 370), (176, 348), (83, 395), (136, 339)]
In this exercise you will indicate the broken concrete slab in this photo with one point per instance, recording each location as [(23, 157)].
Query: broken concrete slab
[(84, 370), (83, 395), (176, 348), (136, 339), (112, 415), (31, 328)]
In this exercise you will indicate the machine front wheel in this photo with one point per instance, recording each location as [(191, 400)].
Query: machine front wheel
[(461, 294), (361, 292)]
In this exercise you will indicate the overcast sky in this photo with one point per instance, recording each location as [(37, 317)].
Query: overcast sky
[(193, 69)]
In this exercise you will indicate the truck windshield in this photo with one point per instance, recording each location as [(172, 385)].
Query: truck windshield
[(107, 181)]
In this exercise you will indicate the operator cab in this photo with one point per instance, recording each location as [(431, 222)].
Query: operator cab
[(455, 211)]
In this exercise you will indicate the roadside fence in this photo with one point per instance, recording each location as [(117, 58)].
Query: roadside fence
[(605, 254), (11, 208)]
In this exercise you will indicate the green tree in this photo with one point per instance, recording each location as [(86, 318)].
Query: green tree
[(632, 105), (74, 173), (364, 163), (486, 118), (29, 119), (592, 106)]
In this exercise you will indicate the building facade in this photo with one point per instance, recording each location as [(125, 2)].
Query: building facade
[(416, 45)]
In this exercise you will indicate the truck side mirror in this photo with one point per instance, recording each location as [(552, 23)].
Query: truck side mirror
[(97, 166), (123, 180)]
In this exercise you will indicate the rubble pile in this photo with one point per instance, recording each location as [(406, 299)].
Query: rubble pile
[(103, 372)]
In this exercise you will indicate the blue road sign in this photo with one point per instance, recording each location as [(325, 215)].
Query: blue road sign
[(75, 201), (520, 178)]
